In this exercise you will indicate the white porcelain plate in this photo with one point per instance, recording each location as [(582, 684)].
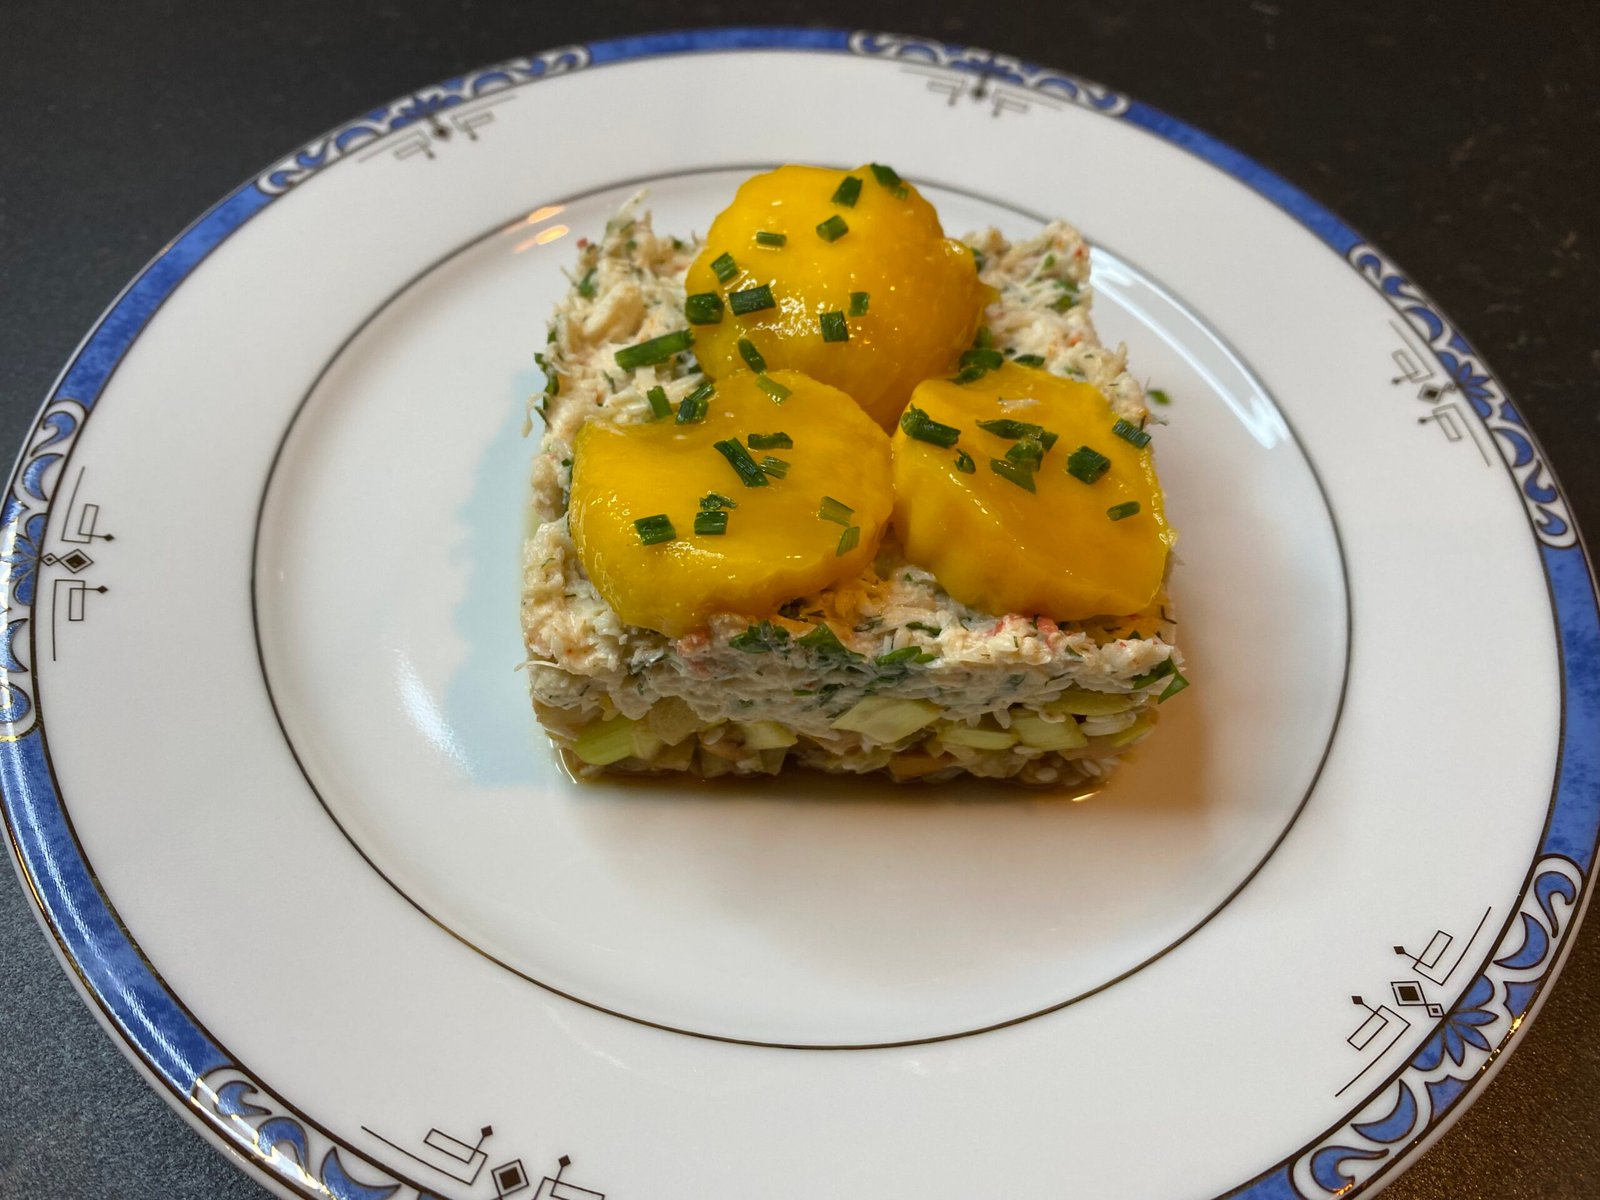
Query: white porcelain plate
[(271, 772)]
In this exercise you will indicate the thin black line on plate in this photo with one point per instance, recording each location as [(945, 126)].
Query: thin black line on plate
[(746, 168)]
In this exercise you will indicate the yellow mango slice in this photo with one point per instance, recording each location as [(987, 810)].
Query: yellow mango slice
[(904, 299), (775, 546), (1052, 551)]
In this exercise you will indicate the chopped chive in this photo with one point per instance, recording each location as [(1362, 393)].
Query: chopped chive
[(832, 229), (1005, 427), (724, 268), (1027, 452), (1159, 396), (656, 350), (986, 357), (836, 511), (703, 308), (969, 374), (711, 523), (1068, 297), (1172, 689), (923, 627), (1015, 472), (739, 459), (826, 643), (752, 356), (834, 328), (979, 259), (751, 300), (1118, 512), (983, 339), (761, 638), (692, 408), (859, 302), (773, 388), (1029, 360), (887, 176), (1131, 433), (765, 237), (654, 530), (964, 463), (848, 191), (712, 501), (770, 441), (1160, 671), (586, 286), (848, 541), (919, 425), (776, 467), (904, 654), (659, 406), (1086, 464)]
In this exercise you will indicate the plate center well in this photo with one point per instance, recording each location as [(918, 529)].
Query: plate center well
[(805, 911)]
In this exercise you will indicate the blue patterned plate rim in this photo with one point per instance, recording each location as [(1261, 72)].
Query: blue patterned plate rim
[(176, 1050)]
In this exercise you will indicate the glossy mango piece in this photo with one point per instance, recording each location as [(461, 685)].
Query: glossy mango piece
[(1053, 551), (775, 547), (923, 301)]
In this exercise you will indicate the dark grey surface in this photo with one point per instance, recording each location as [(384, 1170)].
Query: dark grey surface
[(1461, 138)]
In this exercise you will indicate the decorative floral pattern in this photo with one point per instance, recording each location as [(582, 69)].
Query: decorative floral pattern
[(1460, 364), (1000, 67), (418, 106), (24, 514), (1465, 1041)]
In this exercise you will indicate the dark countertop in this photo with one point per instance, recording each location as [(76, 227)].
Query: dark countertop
[(1460, 138)]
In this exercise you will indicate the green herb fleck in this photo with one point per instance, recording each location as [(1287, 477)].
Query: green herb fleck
[(1027, 452), (739, 459), (751, 300), (659, 405), (1030, 360), (859, 302), (920, 426), (712, 501), (964, 463), (1131, 433), (986, 357), (711, 523), (1119, 512), (1159, 396), (724, 268), (832, 229), (906, 654), (848, 191), (888, 177), (656, 350), (776, 467), (826, 644), (766, 237), (773, 388), (1087, 464), (770, 441), (692, 409), (703, 308), (1160, 671), (834, 328), (586, 286), (848, 541), (752, 356), (921, 627), (1172, 689), (654, 530), (979, 260), (761, 638), (1011, 430), (836, 511), (1015, 472)]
